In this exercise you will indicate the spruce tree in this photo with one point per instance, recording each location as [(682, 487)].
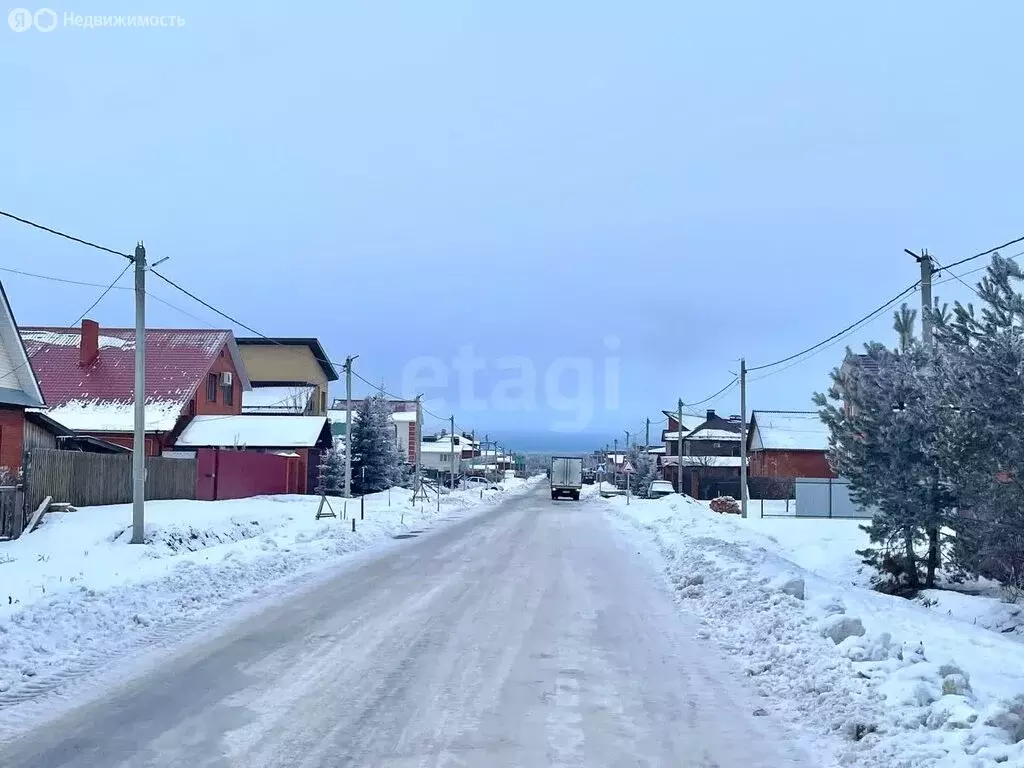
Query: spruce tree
[(376, 464)]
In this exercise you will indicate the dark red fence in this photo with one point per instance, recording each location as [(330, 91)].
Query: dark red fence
[(230, 474)]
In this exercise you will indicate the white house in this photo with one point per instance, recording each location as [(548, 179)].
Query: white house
[(404, 423)]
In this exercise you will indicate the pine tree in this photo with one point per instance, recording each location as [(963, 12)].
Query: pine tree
[(645, 466), (885, 442), (376, 462), (983, 448)]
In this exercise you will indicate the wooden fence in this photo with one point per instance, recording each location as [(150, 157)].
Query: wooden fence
[(89, 479), (12, 512)]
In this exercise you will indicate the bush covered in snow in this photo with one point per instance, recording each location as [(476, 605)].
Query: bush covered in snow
[(725, 505)]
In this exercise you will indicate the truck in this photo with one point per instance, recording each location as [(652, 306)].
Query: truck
[(566, 477)]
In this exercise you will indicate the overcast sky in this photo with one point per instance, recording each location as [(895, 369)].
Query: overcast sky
[(651, 188)]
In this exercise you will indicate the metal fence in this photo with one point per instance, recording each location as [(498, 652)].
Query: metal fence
[(89, 479), (810, 497)]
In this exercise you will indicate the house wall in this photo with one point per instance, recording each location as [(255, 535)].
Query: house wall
[(12, 437), (201, 406), (37, 437), (776, 463), (288, 363), (711, 447)]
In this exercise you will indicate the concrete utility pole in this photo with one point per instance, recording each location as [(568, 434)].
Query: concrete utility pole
[(615, 463), (419, 446), (647, 435), (679, 448), (139, 442), (348, 425), (927, 269), (452, 442), (743, 437)]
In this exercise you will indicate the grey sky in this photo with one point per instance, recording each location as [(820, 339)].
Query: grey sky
[(406, 179)]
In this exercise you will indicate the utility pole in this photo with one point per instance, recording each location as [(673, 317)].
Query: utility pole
[(679, 447), (487, 459), (743, 437), (419, 446), (927, 268), (452, 443), (615, 464), (139, 441), (647, 435), (348, 426)]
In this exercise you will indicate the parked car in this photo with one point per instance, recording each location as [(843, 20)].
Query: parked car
[(659, 488), (482, 482)]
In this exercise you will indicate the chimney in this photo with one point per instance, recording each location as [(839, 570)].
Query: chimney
[(89, 349), (710, 414)]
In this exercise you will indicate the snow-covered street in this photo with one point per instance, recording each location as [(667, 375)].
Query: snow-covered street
[(531, 634), (937, 681)]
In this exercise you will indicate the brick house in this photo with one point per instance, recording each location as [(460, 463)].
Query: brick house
[(788, 444), (87, 376), (711, 457), (19, 389)]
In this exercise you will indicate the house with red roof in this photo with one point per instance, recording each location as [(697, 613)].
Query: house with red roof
[(19, 390), (87, 376)]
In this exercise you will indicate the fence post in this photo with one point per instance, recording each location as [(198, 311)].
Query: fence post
[(362, 508), (830, 497), (353, 523)]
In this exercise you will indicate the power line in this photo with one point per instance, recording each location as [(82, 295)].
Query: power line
[(836, 335), (68, 281), (877, 313), (717, 394), (106, 290), (66, 236), (986, 253)]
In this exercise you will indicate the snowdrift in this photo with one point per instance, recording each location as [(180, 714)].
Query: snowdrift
[(900, 683)]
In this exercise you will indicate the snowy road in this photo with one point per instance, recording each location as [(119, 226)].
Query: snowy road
[(531, 635)]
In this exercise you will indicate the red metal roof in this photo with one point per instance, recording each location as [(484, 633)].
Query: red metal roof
[(176, 363)]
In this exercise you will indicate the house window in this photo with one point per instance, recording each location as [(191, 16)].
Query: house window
[(211, 388), (229, 394)]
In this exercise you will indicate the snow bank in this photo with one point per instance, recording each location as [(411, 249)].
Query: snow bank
[(901, 683), (75, 592)]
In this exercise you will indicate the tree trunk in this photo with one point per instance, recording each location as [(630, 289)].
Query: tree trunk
[(912, 576), (933, 558)]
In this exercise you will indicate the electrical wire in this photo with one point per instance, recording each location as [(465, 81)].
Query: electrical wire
[(66, 236), (853, 326), (986, 253)]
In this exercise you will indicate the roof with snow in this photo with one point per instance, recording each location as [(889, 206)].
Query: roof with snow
[(703, 461), (788, 431), (252, 432), (340, 416), (18, 382), (277, 400), (177, 362), (708, 433), (690, 421)]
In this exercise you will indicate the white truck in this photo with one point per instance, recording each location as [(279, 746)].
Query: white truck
[(566, 477)]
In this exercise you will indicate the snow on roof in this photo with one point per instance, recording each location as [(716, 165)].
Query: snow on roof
[(292, 399), (659, 449), (703, 461), (252, 432), (339, 416), (788, 431), (712, 434), (177, 362), (104, 416), (439, 446)]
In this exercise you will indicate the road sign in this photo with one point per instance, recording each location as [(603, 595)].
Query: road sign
[(600, 469), (627, 467)]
